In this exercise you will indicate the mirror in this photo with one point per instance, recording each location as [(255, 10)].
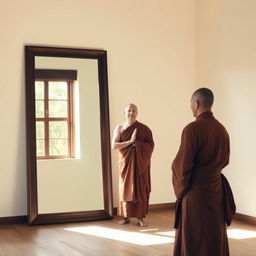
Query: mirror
[(68, 138)]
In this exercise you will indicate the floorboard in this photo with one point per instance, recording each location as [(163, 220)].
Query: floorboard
[(107, 238)]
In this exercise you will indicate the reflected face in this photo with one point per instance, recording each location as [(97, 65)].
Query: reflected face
[(194, 106), (131, 112)]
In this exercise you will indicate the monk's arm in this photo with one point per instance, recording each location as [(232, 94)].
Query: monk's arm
[(226, 162), (116, 144), (183, 164), (144, 150)]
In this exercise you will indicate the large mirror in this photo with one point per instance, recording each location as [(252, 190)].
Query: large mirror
[(68, 139)]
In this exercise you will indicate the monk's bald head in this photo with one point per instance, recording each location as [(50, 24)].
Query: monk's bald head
[(204, 96), (201, 101), (131, 105), (131, 112)]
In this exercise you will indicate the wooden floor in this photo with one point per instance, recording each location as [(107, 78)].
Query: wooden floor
[(107, 238)]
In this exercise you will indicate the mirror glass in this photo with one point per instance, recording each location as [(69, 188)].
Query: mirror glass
[(70, 183)]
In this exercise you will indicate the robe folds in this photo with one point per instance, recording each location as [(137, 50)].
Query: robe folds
[(134, 166), (205, 204)]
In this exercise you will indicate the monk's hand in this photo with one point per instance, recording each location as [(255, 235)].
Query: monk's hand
[(133, 138)]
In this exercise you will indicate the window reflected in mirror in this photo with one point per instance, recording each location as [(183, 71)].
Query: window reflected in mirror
[(55, 111)]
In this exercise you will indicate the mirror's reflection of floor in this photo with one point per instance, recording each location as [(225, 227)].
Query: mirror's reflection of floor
[(107, 238)]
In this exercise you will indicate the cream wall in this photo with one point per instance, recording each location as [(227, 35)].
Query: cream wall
[(226, 62), (151, 62)]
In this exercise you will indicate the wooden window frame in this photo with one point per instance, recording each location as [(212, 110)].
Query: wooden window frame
[(46, 119)]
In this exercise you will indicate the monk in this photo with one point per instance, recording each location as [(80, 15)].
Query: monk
[(135, 144), (200, 217)]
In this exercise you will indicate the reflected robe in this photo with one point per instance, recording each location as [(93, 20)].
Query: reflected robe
[(196, 174), (134, 165)]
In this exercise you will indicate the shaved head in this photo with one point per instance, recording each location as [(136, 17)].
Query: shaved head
[(131, 112), (132, 106), (204, 96)]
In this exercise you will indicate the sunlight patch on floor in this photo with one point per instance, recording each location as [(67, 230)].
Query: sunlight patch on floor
[(241, 234), (149, 229), (232, 233), (123, 236), (168, 233)]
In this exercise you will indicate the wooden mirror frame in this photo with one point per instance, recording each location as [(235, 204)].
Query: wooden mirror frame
[(32, 194)]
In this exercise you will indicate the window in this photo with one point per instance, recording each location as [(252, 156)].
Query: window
[(54, 115)]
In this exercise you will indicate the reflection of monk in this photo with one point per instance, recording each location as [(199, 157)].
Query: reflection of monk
[(135, 143)]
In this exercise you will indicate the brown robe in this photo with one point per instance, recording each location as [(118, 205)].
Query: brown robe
[(200, 220), (134, 165)]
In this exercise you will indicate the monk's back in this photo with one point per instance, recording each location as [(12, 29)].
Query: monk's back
[(212, 147), (200, 220)]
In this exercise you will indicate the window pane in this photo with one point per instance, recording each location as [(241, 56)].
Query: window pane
[(39, 87), (58, 129), (58, 109), (58, 147), (40, 147), (39, 130), (58, 90), (39, 108)]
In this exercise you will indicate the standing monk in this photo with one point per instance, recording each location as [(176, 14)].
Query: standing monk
[(135, 143), (199, 186)]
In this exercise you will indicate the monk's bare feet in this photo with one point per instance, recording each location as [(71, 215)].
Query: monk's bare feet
[(124, 221), (141, 223)]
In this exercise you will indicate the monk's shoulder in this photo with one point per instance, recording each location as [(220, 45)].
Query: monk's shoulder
[(191, 128), (143, 126), (119, 128), (221, 128), (220, 124)]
